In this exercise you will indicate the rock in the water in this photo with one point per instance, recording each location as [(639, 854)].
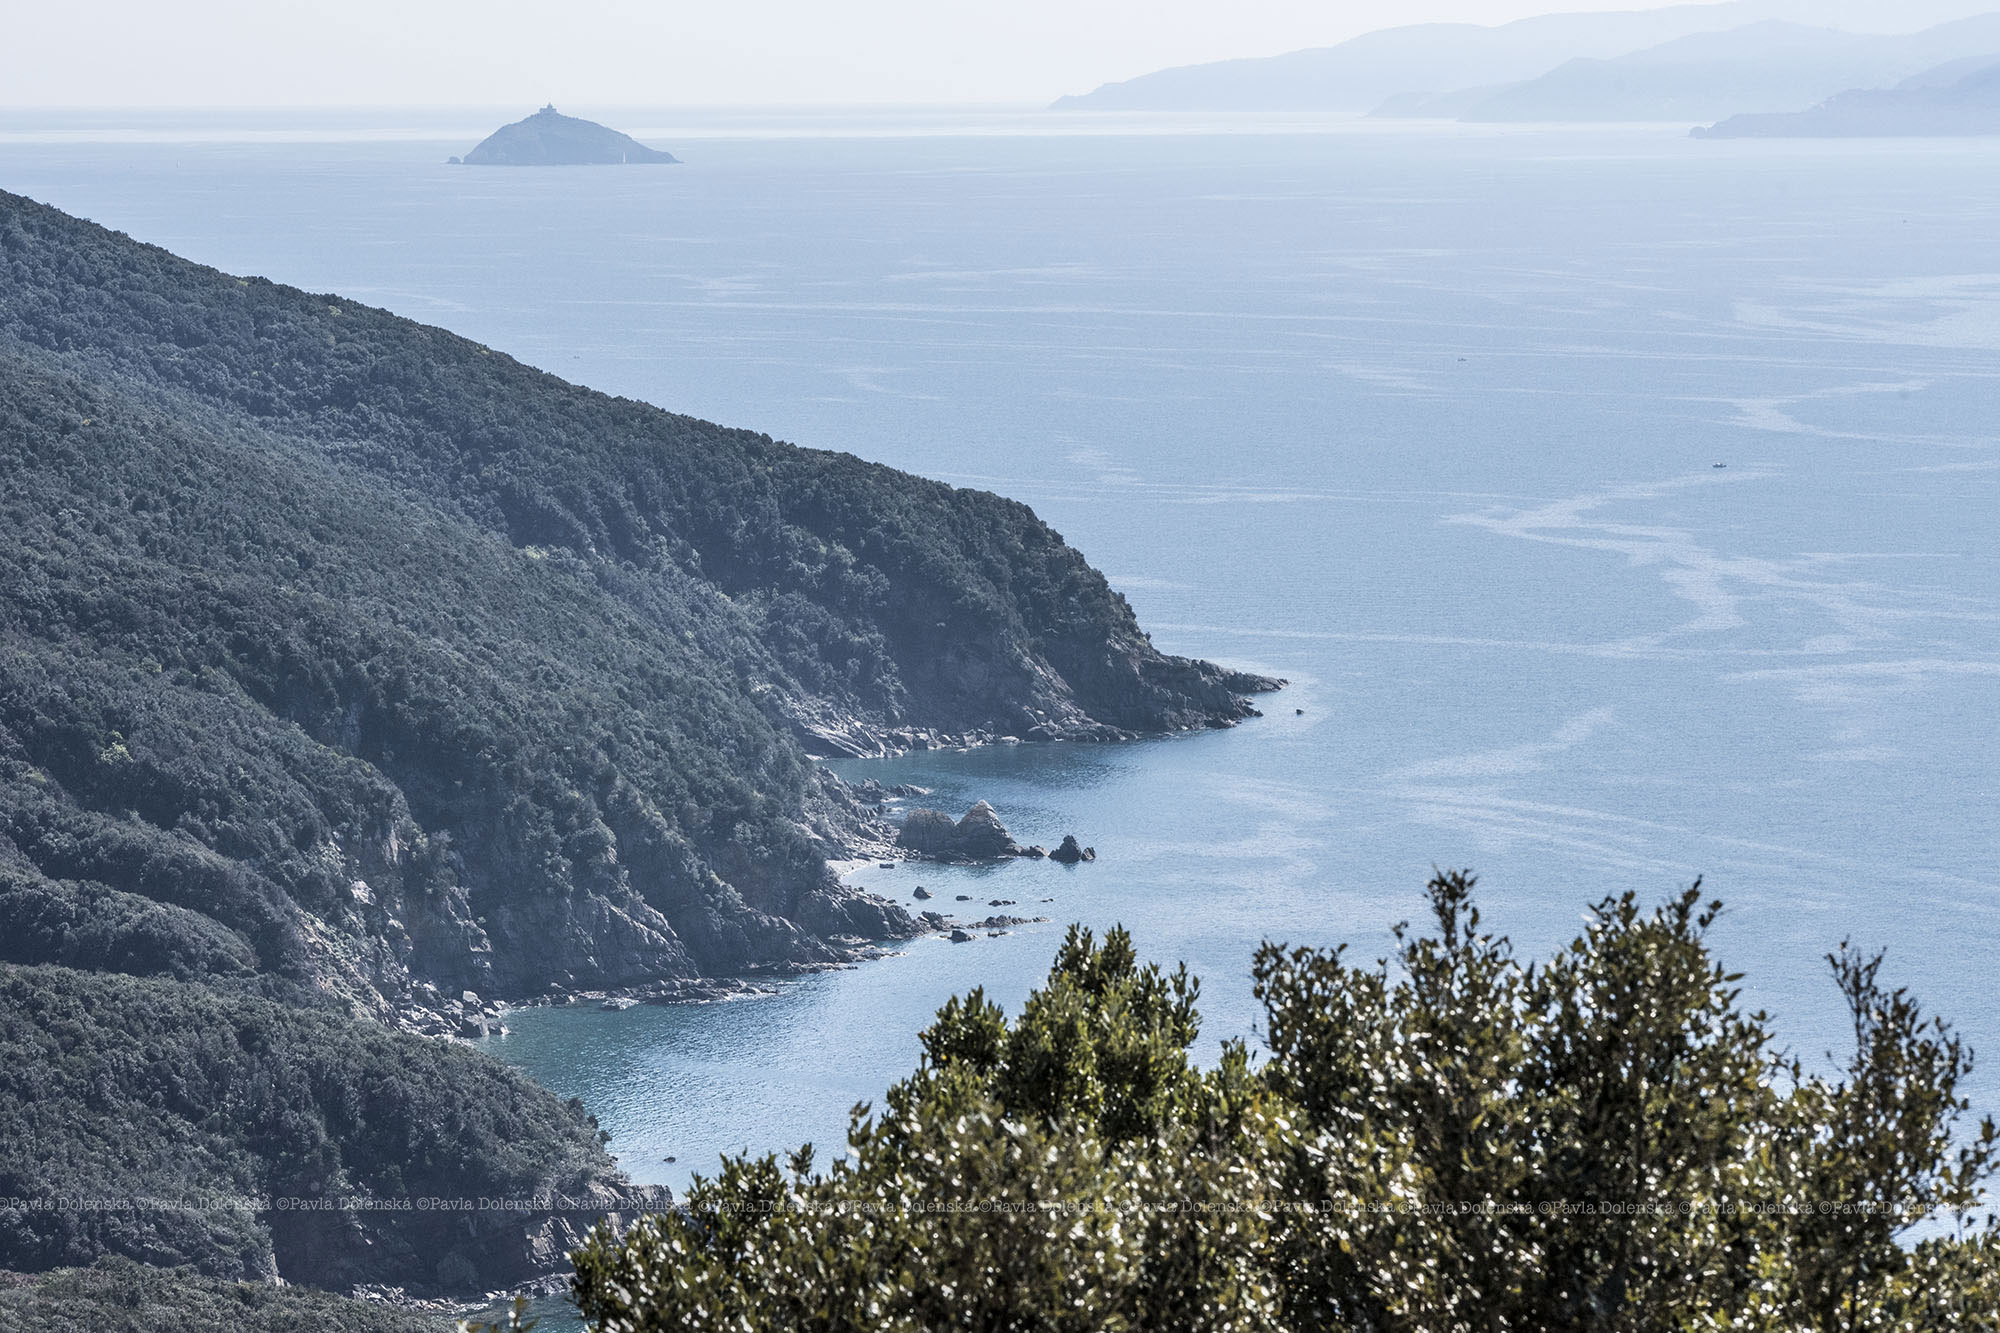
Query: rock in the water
[(1070, 853), (980, 836), (931, 832), (921, 892), (959, 937)]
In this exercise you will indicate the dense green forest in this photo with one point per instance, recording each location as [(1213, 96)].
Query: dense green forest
[(391, 654), (120, 1296), (1447, 1141), (187, 1126), (347, 666)]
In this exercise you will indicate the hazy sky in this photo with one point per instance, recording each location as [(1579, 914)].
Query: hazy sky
[(670, 52)]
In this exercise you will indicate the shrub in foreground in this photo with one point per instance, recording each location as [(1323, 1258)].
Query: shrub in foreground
[(1446, 1140)]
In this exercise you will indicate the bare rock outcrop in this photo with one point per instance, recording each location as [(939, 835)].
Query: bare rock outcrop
[(979, 836), (1070, 853)]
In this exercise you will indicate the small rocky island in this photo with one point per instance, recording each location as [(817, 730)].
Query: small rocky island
[(550, 139)]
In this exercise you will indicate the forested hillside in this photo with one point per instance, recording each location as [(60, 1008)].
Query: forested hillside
[(246, 1138), (393, 655), (347, 666), (119, 1296)]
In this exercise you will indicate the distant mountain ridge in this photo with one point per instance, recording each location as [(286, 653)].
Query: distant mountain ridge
[(1960, 97), (1360, 74), (1761, 67), (550, 139), (1450, 63)]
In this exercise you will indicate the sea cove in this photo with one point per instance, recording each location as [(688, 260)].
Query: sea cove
[(1426, 421)]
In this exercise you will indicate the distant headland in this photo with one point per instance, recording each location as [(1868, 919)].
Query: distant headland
[(550, 139), (1961, 97)]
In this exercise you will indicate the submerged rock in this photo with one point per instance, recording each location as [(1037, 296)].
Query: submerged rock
[(873, 792)]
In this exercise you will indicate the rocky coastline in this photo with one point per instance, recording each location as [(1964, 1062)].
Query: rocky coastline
[(620, 955), (1214, 698)]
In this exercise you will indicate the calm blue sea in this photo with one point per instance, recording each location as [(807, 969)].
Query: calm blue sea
[(1426, 420)]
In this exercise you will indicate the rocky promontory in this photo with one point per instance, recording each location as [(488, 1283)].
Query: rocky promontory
[(519, 684), (550, 139)]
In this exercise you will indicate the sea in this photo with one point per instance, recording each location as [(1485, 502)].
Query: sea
[(1620, 508)]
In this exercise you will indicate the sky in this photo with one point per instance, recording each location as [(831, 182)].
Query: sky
[(667, 52)]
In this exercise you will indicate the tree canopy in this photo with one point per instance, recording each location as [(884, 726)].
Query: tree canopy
[(1446, 1139)]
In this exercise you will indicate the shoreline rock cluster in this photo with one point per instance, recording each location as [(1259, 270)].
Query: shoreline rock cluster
[(978, 837)]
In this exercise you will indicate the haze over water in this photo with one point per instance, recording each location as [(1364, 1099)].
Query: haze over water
[(1425, 421)]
